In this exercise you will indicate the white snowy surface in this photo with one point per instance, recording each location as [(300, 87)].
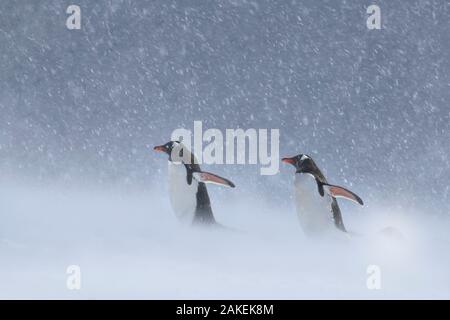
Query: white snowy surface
[(129, 245)]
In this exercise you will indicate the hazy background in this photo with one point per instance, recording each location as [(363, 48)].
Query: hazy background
[(80, 111)]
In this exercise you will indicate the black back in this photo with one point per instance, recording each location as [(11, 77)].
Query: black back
[(203, 211)]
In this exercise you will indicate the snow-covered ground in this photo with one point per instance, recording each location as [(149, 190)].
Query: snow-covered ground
[(129, 245)]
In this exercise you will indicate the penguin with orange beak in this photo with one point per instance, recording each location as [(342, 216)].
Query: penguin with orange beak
[(315, 198), (187, 185)]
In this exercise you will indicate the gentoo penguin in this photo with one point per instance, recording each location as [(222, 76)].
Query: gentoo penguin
[(315, 198), (187, 190)]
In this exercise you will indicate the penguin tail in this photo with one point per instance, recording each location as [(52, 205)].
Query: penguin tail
[(222, 228), (216, 226)]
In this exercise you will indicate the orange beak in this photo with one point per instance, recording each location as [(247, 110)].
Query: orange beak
[(288, 160), (160, 148)]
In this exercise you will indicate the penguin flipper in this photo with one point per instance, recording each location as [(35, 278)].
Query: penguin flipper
[(208, 177), (340, 192)]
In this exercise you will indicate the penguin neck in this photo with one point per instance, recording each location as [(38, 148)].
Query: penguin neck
[(314, 173)]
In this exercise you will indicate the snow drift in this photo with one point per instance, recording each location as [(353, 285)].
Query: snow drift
[(129, 245)]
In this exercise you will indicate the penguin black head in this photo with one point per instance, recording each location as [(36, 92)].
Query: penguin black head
[(303, 163), (172, 148)]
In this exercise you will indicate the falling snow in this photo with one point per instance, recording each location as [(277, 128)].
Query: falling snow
[(81, 110)]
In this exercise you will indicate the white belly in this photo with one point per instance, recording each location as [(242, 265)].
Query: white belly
[(183, 197), (313, 210)]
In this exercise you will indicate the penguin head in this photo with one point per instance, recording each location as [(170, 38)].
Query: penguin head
[(174, 149), (302, 162)]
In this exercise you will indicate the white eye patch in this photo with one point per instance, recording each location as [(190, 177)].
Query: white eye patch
[(304, 157)]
